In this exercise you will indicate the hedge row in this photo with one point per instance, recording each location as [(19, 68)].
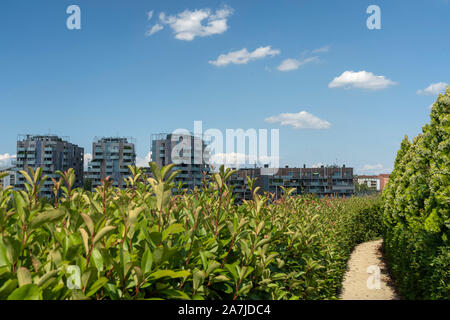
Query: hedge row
[(417, 210)]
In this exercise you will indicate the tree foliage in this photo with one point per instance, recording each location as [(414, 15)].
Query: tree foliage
[(417, 209), (145, 242)]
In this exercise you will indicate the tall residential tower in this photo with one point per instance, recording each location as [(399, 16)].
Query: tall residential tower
[(188, 151), (51, 153), (111, 158)]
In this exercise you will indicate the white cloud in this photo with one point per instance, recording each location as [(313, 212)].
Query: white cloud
[(301, 120), (321, 50), (197, 23), (5, 160), (294, 64), (143, 162), (434, 89), (236, 160), (374, 169), (244, 56), (150, 15), (361, 79), (156, 28)]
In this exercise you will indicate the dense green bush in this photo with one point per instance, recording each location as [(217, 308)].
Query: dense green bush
[(417, 210), (144, 242)]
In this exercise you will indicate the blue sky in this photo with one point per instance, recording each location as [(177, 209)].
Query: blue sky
[(358, 88)]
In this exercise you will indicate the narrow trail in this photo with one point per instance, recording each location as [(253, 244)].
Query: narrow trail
[(367, 277)]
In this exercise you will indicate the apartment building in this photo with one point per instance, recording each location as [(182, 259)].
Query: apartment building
[(51, 153), (374, 182), (10, 179), (111, 157), (323, 181), (188, 151)]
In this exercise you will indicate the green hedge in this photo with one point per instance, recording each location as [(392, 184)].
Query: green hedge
[(417, 210)]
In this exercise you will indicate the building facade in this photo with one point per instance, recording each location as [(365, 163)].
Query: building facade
[(51, 153), (10, 179), (323, 181), (384, 179), (374, 183), (111, 158), (189, 152)]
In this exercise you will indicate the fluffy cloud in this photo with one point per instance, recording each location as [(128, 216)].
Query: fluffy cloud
[(361, 79), (373, 169), (294, 64), (5, 160), (156, 28), (197, 23), (434, 89), (301, 120), (143, 162), (244, 56)]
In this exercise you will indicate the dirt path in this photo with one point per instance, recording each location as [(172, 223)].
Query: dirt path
[(360, 280)]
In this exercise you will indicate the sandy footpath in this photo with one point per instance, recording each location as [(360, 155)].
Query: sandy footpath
[(356, 285)]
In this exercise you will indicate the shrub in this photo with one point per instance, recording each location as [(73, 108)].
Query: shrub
[(417, 210), (144, 242)]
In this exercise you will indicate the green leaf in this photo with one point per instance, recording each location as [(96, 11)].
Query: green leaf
[(97, 286), (3, 255), (213, 265), (23, 276), (46, 277), (98, 259), (103, 232), (46, 217), (13, 247), (7, 288), (156, 237), (197, 279), (89, 223), (85, 238), (20, 205), (26, 292), (147, 261), (169, 273), (232, 269), (172, 229), (133, 215)]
